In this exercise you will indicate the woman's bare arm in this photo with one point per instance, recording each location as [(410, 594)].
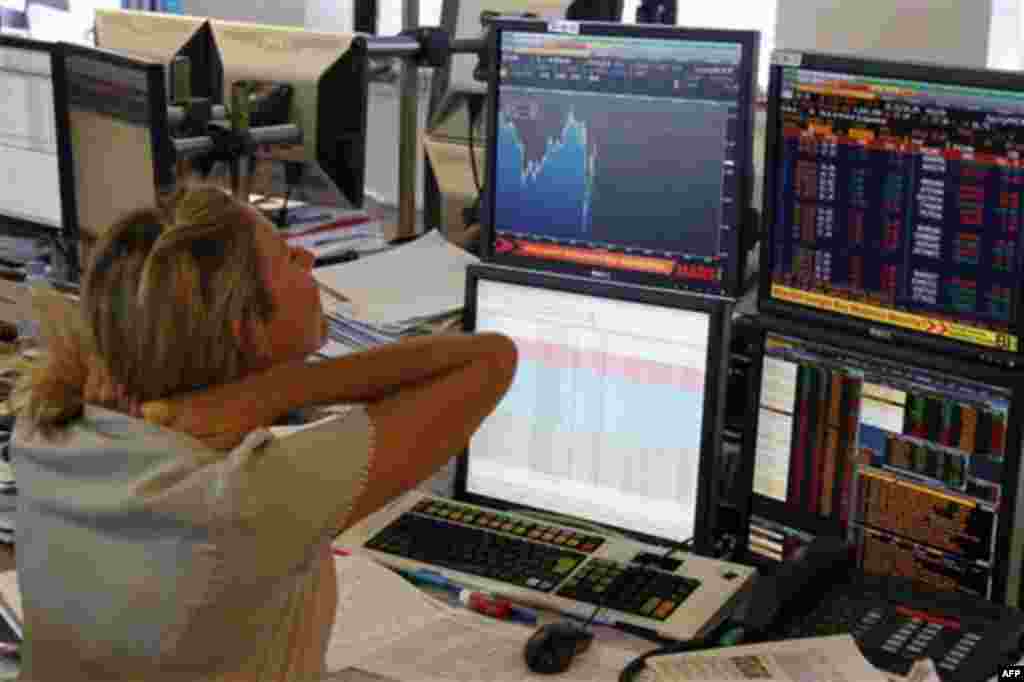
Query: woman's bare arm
[(222, 415)]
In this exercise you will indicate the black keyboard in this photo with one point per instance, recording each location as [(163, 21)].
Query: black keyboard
[(476, 551), (896, 622), (532, 555), (631, 589)]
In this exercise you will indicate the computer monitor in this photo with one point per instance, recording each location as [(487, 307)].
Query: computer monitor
[(893, 201), (330, 82), (162, 37), (614, 415), (899, 451), (621, 152), (115, 108), (35, 176)]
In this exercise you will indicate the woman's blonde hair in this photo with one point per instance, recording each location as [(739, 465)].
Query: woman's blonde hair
[(163, 301)]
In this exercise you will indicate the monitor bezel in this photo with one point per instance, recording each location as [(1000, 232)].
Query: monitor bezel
[(164, 156), (30, 228), (1003, 574), (902, 70), (750, 43), (719, 311)]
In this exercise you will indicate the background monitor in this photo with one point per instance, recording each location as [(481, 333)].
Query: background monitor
[(614, 415), (328, 75), (893, 201), (621, 152), (162, 37), (31, 169), (116, 111), (917, 466)]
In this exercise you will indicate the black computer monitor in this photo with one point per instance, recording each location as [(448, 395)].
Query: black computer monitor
[(35, 173), (329, 78), (205, 68), (163, 37), (621, 152), (614, 415), (893, 201), (115, 109), (916, 464)]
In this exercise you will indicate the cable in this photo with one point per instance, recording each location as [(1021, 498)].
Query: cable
[(282, 214), (472, 152), (292, 177), (471, 214), (632, 668)]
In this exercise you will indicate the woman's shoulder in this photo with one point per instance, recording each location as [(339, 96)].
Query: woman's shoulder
[(106, 444)]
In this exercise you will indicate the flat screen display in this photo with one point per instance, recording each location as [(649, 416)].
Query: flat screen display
[(894, 203), (622, 154)]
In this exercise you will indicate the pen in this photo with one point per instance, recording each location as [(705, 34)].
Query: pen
[(424, 576), (489, 605), (497, 607)]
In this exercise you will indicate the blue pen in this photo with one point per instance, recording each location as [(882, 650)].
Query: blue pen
[(422, 576)]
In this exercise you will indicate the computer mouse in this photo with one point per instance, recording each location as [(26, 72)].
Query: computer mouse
[(552, 647)]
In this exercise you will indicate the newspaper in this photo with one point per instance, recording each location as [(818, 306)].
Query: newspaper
[(386, 626), (816, 659)]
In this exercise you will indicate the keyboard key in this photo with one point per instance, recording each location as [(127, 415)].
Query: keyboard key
[(476, 551)]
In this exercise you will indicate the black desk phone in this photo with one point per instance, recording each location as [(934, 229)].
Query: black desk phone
[(894, 621)]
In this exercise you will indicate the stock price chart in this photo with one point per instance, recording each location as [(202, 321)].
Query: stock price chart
[(629, 172)]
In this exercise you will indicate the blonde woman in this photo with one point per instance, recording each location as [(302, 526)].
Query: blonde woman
[(192, 545)]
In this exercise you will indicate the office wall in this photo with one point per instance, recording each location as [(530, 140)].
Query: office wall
[(330, 16), (939, 31), (338, 15), (284, 12)]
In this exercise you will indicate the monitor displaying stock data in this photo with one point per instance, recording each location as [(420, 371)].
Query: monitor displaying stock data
[(893, 201), (621, 152), (916, 466), (614, 412)]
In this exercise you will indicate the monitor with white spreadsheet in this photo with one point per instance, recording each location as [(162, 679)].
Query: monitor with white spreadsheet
[(30, 167), (614, 413)]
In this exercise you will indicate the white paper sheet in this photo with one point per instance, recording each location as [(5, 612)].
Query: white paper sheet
[(335, 349), (388, 627), (9, 592), (423, 278), (467, 647), (375, 607), (816, 659)]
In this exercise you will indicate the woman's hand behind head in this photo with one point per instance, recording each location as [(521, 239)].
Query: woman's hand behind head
[(220, 416)]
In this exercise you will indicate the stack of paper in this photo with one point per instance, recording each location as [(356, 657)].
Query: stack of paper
[(392, 293), (324, 230), (364, 237), (346, 333), (8, 502), (387, 627)]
